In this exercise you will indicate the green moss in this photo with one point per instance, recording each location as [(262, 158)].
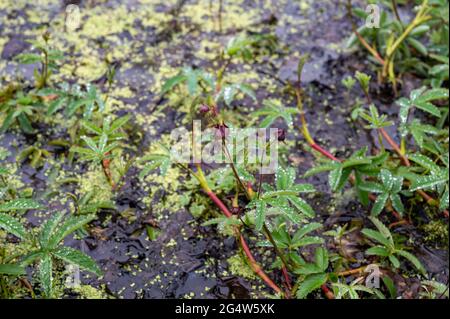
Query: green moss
[(94, 181), (436, 232), (239, 267), (89, 292), (197, 210)]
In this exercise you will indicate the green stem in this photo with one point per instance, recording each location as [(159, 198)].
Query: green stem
[(418, 20), (268, 234), (395, 9)]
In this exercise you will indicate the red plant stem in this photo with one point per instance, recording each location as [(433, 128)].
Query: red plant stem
[(107, 170), (256, 268), (407, 163), (254, 265), (389, 208), (394, 145), (361, 39), (286, 277), (328, 293), (324, 152), (309, 139), (352, 178), (397, 224), (219, 204)]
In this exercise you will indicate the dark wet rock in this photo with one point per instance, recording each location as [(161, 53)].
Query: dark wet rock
[(435, 261), (13, 47), (193, 283), (315, 70), (237, 289)]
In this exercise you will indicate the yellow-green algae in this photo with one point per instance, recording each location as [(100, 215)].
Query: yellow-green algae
[(239, 267), (89, 292)]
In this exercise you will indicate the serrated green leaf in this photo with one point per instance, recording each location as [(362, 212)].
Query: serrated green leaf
[(372, 187), (321, 169), (413, 259), (260, 214), (428, 181), (394, 260), (91, 127), (306, 229), (20, 204), (376, 236), (49, 228), (378, 251), (55, 106), (12, 270), (379, 204), (308, 269), (302, 206), (433, 94), (356, 162), (334, 178), (278, 193), (70, 225), (172, 82), (428, 107), (387, 179), (306, 241), (76, 257), (28, 58), (321, 258), (310, 284), (13, 226), (424, 161), (397, 203), (46, 275)]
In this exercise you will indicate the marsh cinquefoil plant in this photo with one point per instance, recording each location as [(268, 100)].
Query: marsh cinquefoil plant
[(420, 45), (47, 57), (47, 247), (205, 88), (352, 290), (100, 148), (21, 109), (403, 169), (386, 246), (388, 189), (73, 99)]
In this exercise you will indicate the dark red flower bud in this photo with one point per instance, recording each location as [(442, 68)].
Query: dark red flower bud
[(46, 36), (235, 210), (221, 131), (203, 109), (281, 135)]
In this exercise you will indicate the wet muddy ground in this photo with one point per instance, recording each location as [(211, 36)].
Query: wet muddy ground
[(150, 40)]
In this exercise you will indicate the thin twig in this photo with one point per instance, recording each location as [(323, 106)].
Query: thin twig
[(395, 9)]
